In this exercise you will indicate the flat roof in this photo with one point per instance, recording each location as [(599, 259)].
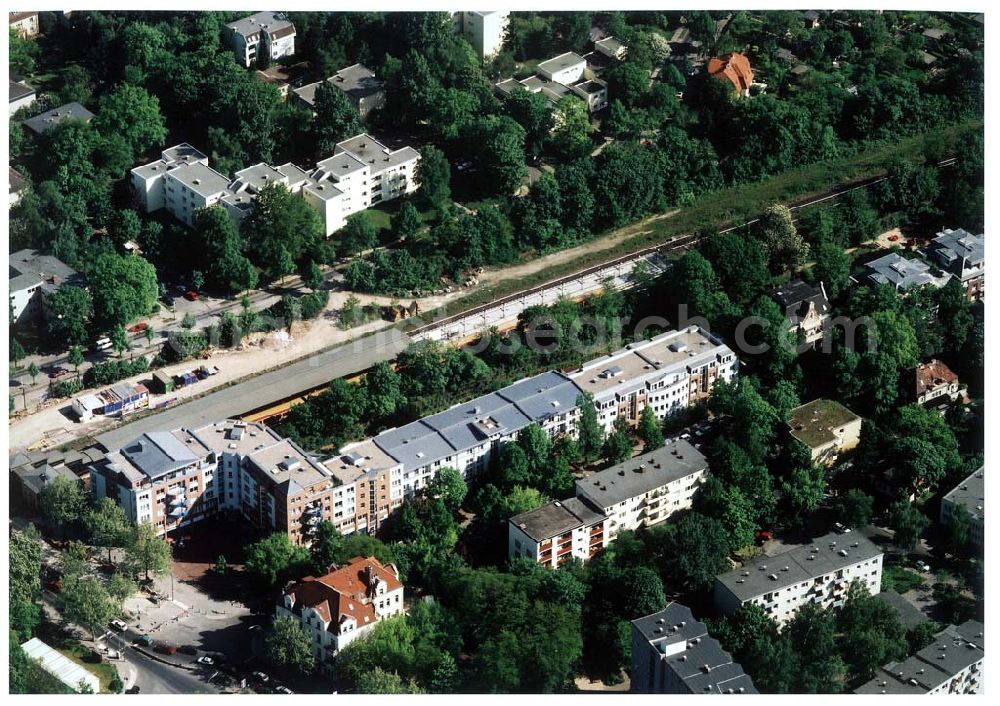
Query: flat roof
[(377, 156), (642, 474), (563, 61), (183, 152), (556, 518), (971, 494), (359, 459), (234, 436), (798, 564), (337, 165), (200, 178), (267, 21), (908, 613), (324, 190), (258, 176), (813, 423), (286, 463), (899, 271), (357, 81), (959, 244), (51, 118), (261, 391)]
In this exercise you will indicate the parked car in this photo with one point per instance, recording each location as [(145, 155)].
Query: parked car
[(138, 328), (188, 649), (168, 299), (261, 677), (841, 528), (205, 660), (118, 625), (57, 371), (191, 295), (923, 566), (102, 344), (165, 649), (283, 690), (146, 640)]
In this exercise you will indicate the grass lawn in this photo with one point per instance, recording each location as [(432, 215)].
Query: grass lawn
[(735, 204), (900, 579), (57, 638)]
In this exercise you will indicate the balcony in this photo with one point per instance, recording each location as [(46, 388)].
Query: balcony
[(176, 490)]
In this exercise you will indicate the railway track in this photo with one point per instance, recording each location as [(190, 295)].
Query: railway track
[(677, 243)]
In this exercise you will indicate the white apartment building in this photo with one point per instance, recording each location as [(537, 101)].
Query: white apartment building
[(32, 276), (951, 664), (361, 173), (25, 24), (970, 494), (557, 532), (485, 30), (668, 373), (566, 68), (344, 605), (820, 572), (270, 34), (647, 489)]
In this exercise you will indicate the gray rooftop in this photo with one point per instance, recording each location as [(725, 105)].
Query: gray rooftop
[(901, 273), (324, 190), (556, 518), (183, 153), (958, 249), (377, 156), (340, 164), (51, 118), (795, 296), (971, 493), (158, 453), (202, 179), (954, 649), (19, 90), (28, 268), (802, 563), (610, 44), (37, 476), (257, 177), (563, 61), (270, 22), (17, 182), (356, 81), (591, 86), (676, 624), (642, 474), (908, 613)]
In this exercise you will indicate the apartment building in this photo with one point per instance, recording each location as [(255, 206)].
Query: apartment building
[(261, 38), (557, 532), (670, 372), (807, 309), (485, 30), (25, 24), (819, 572), (344, 605), (361, 173), (647, 489), (970, 494), (935, 384), (900, 273), (357, 82), (377, 482), (952, 664), (32, 276), (963, 255), (611, 48), (672, 653), (566, 74), (827, 428)]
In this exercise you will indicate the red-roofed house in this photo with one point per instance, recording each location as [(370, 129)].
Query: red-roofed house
[(344, 605), (934, 381), (735, 68)]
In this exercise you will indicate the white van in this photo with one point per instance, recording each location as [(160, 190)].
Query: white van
[(102, 344)]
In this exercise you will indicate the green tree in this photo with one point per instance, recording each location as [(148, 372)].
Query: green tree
[(589, 431), (520, 499), (959, 529), (907, 524), (68, 312), (407, 222), (61, 502), (85, 601), (378, 681), (33, 371), (281, 228), (532, 112), (133, 113), (76, 357), (24, 581), (571, 137), (359, 233), (448, 485), (326, 547), (119, 339), (497, 144), (123, 288), (313, 276), (384, 390), (693, 551), (107, 525), (335, 118), (146, 551), (221, 565), (434, 177), (782, 244), (274, 559), (854, 508), (832, 268), (287, 644), (805, 485), (650, 429), (120, 589)]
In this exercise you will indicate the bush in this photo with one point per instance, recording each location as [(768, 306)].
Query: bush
[(66, 388), (114, 370), (313, 304), (900, 579)]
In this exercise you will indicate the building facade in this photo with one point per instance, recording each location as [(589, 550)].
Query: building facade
[(20, 95), (672, 653), (557, 532), (963, 255), (807, 309), (24, 23), (970, 494), (952, 664), (32, 276), (827, 428), (820, 572), (485, 30), (344, 605), (262, 37), (936, 384), (361, 173)]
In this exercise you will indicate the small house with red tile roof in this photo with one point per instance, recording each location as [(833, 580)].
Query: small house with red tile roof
[(935, 381), (735, 68), (343, 605)]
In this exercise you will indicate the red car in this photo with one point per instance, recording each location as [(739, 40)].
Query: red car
[(893, 238), (57, 372), (138, 328), (165, 649), (191, 296)]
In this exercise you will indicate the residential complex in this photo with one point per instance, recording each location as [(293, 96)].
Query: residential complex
[(485, 30), (827, 428), (57, 116), (361, 173), (672, 653), (568, 74), (935, 384), (819, 572), (642, 491), (29, 478), (807, 309), (963, 255), (344, 605), (357, 83), (951, 664), (259, 39), (32, 276), (900, 273), (970, 494)]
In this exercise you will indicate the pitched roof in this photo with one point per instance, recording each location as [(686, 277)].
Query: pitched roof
[(932, 375), (345, 592), (796, 296), (54, 117), (734, 67), (642, 474)]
